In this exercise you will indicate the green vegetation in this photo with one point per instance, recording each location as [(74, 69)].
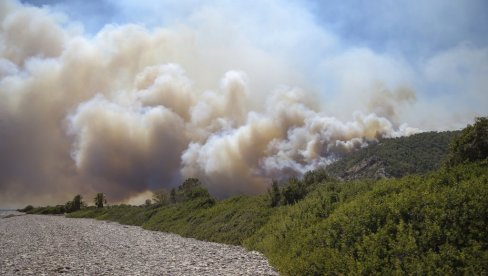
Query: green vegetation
[(434, 224), (228, 221), (125, 214), (430, 223), (275, 194), (472, 144), (26, 209), (45, 210), (71, 206), (395, 157), (74, 205)]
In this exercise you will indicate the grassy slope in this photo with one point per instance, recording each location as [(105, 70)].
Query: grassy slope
[(401, 156), (228, 221), (419, 224)]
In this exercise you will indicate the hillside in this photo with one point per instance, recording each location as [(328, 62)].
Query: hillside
[(395, 157), (433, 223)]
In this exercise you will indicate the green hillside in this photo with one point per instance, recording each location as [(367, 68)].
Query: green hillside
[(432, 223), (395, 157)]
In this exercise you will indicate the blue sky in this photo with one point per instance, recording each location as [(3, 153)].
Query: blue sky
[(337, 49)]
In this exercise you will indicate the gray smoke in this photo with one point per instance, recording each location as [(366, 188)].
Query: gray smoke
[(131, 109)]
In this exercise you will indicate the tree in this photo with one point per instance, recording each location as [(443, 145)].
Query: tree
[(100, 199), (315, 176), (471, 144), (74, 205), (160, 197), (27, 209), (173, 195), (77, 202), (274, 194), (147, 203), (192, 188), (294, 191)]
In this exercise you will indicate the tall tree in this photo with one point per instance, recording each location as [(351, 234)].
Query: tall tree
[(77, 202), (191, 189), (160, 197), (100, 199)]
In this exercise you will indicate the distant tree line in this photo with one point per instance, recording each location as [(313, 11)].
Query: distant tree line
[(190, 189)]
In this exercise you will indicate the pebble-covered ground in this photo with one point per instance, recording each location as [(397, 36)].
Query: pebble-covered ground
[(48, 245)]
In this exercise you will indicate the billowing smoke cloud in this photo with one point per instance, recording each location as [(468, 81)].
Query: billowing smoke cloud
[(130, 110)]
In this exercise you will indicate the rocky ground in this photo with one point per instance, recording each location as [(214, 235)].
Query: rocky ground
[(47, 245)]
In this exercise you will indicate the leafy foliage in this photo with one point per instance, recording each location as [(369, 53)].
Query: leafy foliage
[(294, 191), (471, 144), (431, 224), (191, 189), (315, 177)]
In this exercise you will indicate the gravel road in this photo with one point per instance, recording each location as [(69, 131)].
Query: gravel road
[(48, 245)]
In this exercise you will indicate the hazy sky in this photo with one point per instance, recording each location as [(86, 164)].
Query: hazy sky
[(124, 97)]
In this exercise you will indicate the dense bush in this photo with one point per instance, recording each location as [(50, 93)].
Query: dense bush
[(294, 191), (432, 224), (315, 177), (47, 210), (26, 209)]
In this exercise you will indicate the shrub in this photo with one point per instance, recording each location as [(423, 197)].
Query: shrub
[(26, 209)]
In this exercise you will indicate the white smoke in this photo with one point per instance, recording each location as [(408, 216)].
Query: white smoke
[(132, 109)]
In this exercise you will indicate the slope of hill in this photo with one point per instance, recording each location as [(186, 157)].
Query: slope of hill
[(433, 223), (395, 157)]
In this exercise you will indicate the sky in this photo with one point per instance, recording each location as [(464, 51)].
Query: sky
[(125, 97)]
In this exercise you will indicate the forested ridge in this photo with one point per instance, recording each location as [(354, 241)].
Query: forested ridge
[(431, 221), (395, 157)]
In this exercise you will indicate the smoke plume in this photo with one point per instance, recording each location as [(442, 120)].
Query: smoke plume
[(130, 110)]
